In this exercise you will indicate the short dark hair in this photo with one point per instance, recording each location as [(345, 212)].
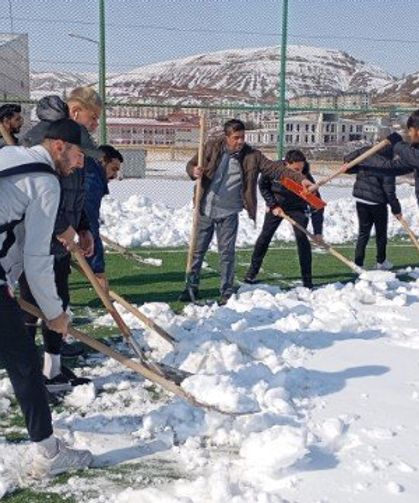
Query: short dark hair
[(111, 153), (295, 156), (413, 120), (8, 110), (233, 125)]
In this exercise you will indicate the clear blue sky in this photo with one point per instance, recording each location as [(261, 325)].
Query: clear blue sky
[(383, 32)]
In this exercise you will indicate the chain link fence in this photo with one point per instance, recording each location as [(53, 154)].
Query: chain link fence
[(156, 87)]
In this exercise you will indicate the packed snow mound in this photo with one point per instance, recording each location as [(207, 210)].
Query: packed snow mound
[(140, 222)]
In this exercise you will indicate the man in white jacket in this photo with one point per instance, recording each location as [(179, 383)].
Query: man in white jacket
[(29, 199)]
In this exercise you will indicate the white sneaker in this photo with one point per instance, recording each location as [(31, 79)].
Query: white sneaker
[(66, 459), (384, 266)]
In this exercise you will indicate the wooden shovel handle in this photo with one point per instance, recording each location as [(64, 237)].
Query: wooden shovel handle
[(325, 246), (198, 194), (368, 153), (126, 332)]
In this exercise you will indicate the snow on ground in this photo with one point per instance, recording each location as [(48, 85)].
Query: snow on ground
[(138, 220), (324, 383)]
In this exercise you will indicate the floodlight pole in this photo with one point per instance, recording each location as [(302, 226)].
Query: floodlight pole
[(282, 81), (102, 72)]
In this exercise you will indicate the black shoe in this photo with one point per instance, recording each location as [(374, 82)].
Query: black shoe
[(251, 280), (71, 350), (308, 284), (71, 376), (222, 301), (190, 294), (64, 381)]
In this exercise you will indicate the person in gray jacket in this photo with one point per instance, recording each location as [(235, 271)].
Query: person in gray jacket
[(29, 200)]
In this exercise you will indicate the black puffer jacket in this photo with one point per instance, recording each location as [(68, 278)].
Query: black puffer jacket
[(71, 210), (373, 186), (275, 194)]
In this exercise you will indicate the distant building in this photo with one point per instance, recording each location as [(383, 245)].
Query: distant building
[(173, 130), (14, 59), (332, 100), (315, 130)]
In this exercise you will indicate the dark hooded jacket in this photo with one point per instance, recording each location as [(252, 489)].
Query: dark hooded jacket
[(373, 186), (71, 210)]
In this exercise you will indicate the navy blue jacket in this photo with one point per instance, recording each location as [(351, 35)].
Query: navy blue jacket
[(96, 187), (275, 194)]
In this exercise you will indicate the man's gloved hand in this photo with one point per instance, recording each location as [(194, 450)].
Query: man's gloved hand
[(394, 138)]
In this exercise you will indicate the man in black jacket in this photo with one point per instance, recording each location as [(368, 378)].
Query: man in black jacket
[(406, 155), (71, 220), (372, 192), (277, 197)]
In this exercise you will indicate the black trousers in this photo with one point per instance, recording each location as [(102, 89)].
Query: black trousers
[(19, 356), (270, 225), (52, 340), (369, 215)]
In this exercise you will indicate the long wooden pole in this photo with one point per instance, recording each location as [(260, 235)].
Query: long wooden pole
[(198, 195), (123, 251), (368, 153), (142, 317), (325, 246), (409, 231)]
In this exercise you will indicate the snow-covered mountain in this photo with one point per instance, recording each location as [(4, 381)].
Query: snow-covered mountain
[(239, 75), (405, 90), (44, 83)]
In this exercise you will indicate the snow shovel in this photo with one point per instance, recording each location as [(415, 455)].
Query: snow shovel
[(124, 252), (140, 367), (325, 246), (409, 231), (195, 217), (313, 200), (368, 153)]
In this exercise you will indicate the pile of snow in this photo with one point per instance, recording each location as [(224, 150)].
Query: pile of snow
[(320, 389), (138, 221)]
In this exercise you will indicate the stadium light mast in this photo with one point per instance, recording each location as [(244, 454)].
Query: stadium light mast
[(282, 80), (102, 72)]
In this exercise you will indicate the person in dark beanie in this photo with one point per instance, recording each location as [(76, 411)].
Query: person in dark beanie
[(277, 197), (98, 174), (373, 192), (229, 181), (29, 201), (11, 122), (405, 154)]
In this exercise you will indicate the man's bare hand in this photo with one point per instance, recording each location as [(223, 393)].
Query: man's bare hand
[(277, 211), (399, 216), (59, 324), (309, 186), (86, 243), (197, 172), (318, 239), (66, 238)]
